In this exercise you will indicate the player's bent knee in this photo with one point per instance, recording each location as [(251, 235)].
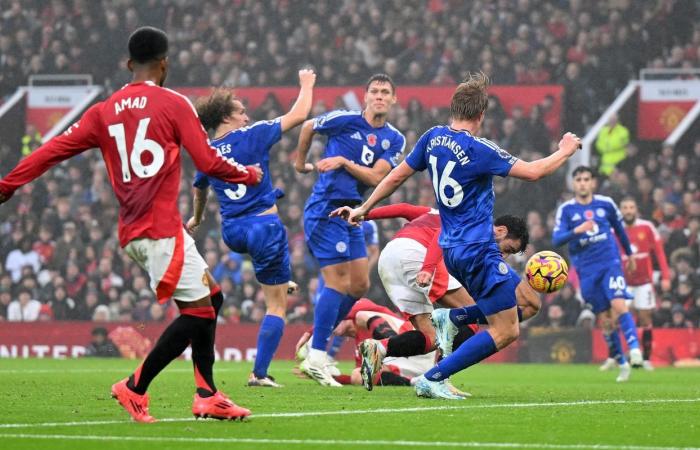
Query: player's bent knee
[(358, 289)]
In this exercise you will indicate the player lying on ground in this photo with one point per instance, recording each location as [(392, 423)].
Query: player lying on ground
[(140, 130), (250, 223)]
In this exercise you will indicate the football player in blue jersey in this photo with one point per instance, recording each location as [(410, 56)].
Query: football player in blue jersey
[(250, 223), (361, 150), (586, 223), (461, 166)]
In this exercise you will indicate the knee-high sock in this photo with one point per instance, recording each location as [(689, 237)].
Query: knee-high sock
[(202, 341), (269, 336), (170, 345), (409, 343), (629, 330), (325, 315), (344, 308), (646, 343), (472, 314), (335, 345), (475, 349), (612, 338)]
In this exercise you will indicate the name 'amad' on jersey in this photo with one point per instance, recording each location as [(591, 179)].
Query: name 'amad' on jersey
[(447, 142)]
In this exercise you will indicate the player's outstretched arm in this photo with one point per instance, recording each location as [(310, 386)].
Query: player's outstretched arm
[(533, 171), (302, 106), (305, 136), (199, 202), (369, 176), (385, 188)]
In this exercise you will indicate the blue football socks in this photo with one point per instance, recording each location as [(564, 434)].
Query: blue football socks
[(325, 315), (629, 329), (614, 346), (472, 314), (476, 348), (269, 336)]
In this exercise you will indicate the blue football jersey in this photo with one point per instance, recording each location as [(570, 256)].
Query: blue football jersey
[(250, 145), (351, 136), (462, 167), (371, 232), (598, 245)]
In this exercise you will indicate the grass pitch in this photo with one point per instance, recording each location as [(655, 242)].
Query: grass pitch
[(66, 404)]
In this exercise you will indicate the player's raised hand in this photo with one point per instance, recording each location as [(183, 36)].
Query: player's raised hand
[(353, 216), (307, 78), (258, 172), (570, 143), (303, 167), (192, 225), (423, 279), (332, 163)]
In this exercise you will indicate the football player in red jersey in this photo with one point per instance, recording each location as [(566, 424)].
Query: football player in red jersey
[(645, 241), (139, 131)]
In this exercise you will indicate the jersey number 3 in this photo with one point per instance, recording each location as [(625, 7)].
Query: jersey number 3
[(141, 145), (441, 182)]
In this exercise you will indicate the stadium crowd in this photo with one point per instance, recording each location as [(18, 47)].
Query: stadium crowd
[(58, 248)]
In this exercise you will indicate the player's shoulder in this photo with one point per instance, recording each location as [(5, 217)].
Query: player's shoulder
[(567, 205), (395, 132), (604, 200), (645, 223), (261, 124), (340, 114)]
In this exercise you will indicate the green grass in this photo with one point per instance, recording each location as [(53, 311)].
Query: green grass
[(514, 406)]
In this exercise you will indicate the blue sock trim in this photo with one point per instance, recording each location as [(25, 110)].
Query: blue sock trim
[(325, 314), (615, 346), (467, 315), (629, 330), (269, 337), (475, 349)]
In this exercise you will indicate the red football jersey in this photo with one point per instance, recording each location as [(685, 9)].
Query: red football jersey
[(139, 130), (645, 240), (424, 228)]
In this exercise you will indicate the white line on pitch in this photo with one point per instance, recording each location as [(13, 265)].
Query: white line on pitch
[(344, 412), (109, 369), (327, 442)]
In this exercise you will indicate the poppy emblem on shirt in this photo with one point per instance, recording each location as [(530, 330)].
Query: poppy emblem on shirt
[(588, 214), (372, 139)]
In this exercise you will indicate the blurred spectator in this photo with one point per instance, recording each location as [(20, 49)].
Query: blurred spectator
[(611, 144), (24, 309), (101, 345)]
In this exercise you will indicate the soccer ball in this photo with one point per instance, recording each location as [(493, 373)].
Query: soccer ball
[(546, 271)]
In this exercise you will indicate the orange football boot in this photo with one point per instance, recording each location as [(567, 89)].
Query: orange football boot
[(218, 406), (136, 405)]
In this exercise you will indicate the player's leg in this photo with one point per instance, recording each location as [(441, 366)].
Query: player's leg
[(266, 242), (644, 303), (628, 328)]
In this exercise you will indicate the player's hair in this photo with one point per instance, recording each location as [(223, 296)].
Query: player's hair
[(517, 229), (148, 44), (381, 78), (214, 109), (628, 198), (470, 99), (583, 169)]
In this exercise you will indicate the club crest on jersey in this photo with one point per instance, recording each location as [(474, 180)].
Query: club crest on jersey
[(386, 144), (600, 212), (503, 268), (588, 214), (341, 247), (372, 139)]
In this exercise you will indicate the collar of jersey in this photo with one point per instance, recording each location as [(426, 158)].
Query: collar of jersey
[(460, 131)]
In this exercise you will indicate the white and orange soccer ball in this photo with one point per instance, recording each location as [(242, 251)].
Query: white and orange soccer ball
[(546, 271)]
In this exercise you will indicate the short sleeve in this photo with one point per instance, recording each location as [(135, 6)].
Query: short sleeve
[(497, 161), (332, 123), (371, 232), (393, 154), (201, 181), (416, 159)]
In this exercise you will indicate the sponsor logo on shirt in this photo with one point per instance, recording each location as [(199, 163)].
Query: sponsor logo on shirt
[(356, 135), (577, 216)]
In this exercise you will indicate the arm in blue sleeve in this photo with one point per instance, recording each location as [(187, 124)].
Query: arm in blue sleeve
[(622, 236), (561, 237)]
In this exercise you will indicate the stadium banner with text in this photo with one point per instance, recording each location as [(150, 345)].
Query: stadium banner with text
[(662, 105), (351, 97), (46, 105)]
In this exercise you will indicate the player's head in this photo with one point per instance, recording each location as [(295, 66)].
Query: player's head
[(380, 94), (222, 108), (584, 182), (148, 50), (511, 234), (628, 208), (470, 99)]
